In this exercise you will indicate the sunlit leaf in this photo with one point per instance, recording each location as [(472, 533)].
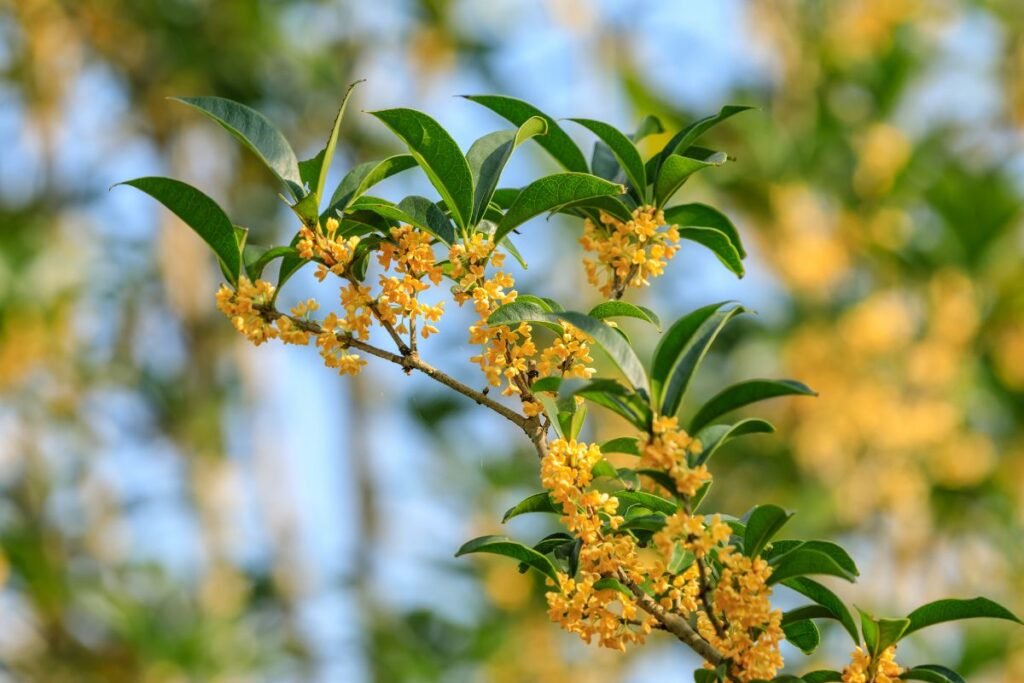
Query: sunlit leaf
[(622, 309), (502, 545), (743, 394), (954, 610), (762, 524), (488, 155), (704, 216), (552, 192), (624, 151)]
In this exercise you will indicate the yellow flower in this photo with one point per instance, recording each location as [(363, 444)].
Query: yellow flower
[(244, 306), (628, 253), (666, 449), (863, 670)]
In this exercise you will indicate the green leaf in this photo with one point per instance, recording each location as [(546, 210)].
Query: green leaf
[(833, 550), (629, 498), (257, 133), (700, 495), (538, 502), (704, 216), (439, 156), (953, 610), (621, 309), (685, 138), (609, 583), (254, 269), (879, 634), (714, 437), (624, 151), (552, 192), (417, 211), (823, 676), (360, 179), (744, 394), (662, 478), (676, 170), (826, 598), (804, 634), (314, 171), (622, 444), (646, 522), (200, 213), (933, 673), (603, 468), (673, 342), (762, 524), (683, 348), (548, 384), (719, 245), (807, 612), (488, 155), (804, 562), (502, 545), (557, 142), (619, 399)]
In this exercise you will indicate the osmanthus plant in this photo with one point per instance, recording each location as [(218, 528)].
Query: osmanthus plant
[(637, 553)]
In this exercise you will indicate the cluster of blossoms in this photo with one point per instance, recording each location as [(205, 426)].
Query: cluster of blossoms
[(666, 448), (863, 670), (509, 354), (581, 605), (628, 253), (412, 256)]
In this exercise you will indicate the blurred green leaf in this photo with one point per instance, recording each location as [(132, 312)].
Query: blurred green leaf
[(803, 634), (502, 545)]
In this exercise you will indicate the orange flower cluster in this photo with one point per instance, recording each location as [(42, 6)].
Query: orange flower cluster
[(863, 670), (412, 256), (334, 252), (628, 253), (568, 356), (751, 628), (666, 449), (582, 605), (242, 306)]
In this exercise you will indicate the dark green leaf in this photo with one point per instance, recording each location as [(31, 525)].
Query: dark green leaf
[(673, 342), (538, 502), (826, 598), (488, 155), (557, 142), (613, 206), (762, 524), (502, 545), (831, 549), (676, 170), (714, 437), (687, 136), (552, 192), (744, 394), (439, 156), (704, 216), (603, 468), (622, 444), (257, 133), (364, 176), (804, 562), (719, 244), (609, 583), (823, 676), (932, 673), (648, 500), (954, 610), (255, 268), (804, 634), (548, 384), (621, 309), (650, 125), (200, 213), (624, 151)]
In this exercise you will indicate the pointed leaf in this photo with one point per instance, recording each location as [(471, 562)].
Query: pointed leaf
[(488, 155), (624, 151), (826, 598), (360, 179), (200, 213), (676, 170), (438, 155), (954, 610), (763, 523), (803, 634), (650, 501), (704, 216), (719, 245), (714, 437), (622, 444), (417, 211), (823, 676), (502, 545), (932, 673), (314, 171), (744, 394), (831, 549), (551, 192), (806, 562), (622, 309), (557, 142), (683, 348), (685, 138), (538, 502), (257, 133)]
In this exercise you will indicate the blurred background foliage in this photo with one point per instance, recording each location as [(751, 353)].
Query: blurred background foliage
[(175, 506)]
